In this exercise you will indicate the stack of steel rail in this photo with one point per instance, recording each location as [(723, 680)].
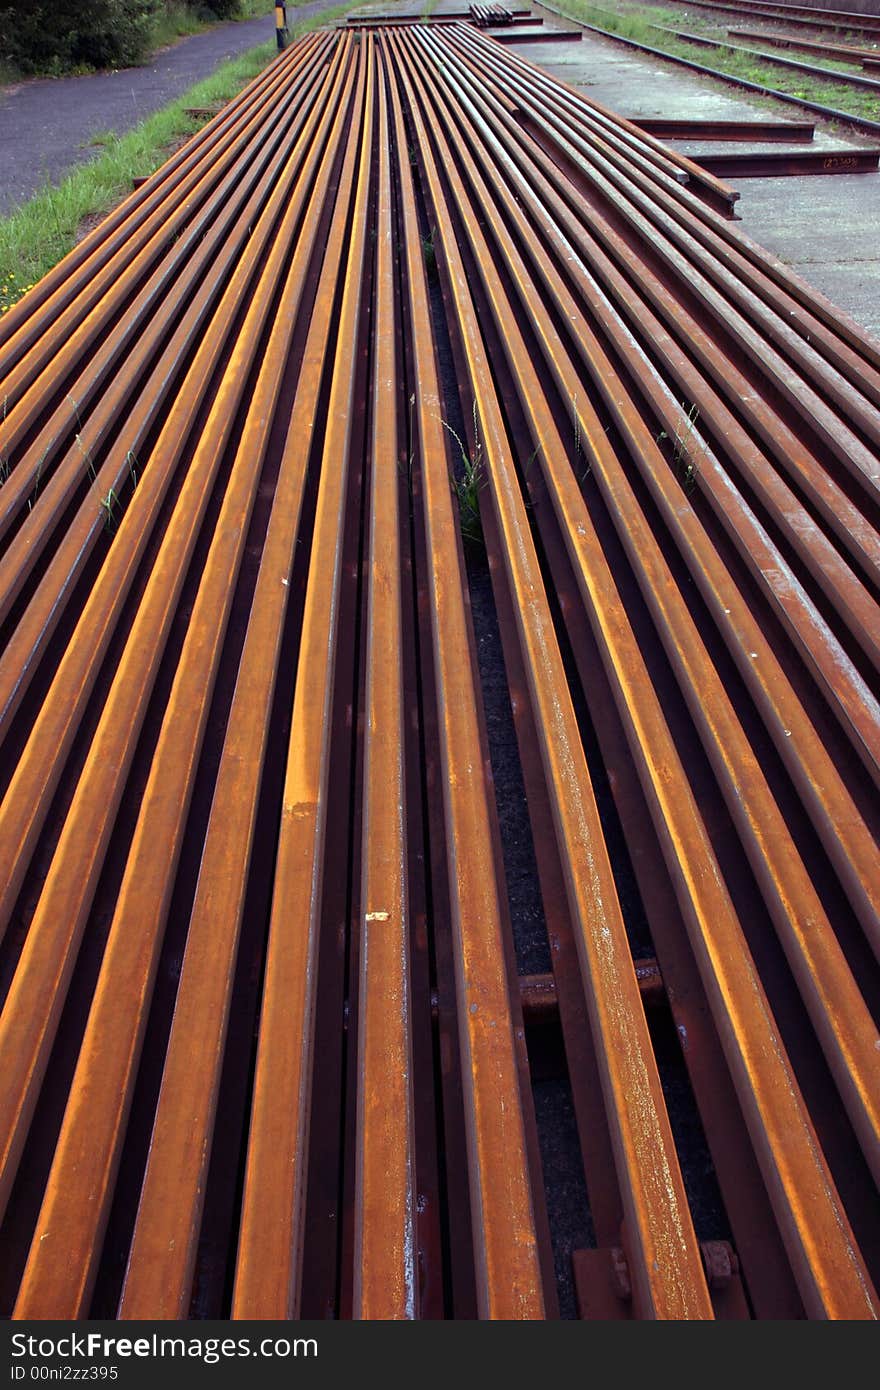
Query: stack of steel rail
[(485, 16), (262, 1050)]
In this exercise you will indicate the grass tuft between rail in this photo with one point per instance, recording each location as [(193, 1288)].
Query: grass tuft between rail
[(39, 234)]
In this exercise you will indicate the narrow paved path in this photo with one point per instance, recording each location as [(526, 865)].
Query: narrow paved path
[(46, 124)]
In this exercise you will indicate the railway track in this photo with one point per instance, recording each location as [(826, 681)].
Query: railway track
[(829, 112), (812, 69), (798, 16), (846, 53), (267, 1046)]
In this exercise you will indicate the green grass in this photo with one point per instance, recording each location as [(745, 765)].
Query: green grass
[(639, 25), (35, 237), (468, 481), (176, 21), (179, 19)]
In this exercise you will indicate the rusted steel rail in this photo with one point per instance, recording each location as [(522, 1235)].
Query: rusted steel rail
[(590, 124), (541, 36), (259, 969), (847, 53), (698, 129), (762, 164), (358, 21)]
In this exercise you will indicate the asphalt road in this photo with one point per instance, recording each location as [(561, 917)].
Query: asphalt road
[(46, 124)]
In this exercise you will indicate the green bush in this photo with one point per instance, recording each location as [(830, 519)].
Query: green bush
[(223, 9), (58, 35)]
